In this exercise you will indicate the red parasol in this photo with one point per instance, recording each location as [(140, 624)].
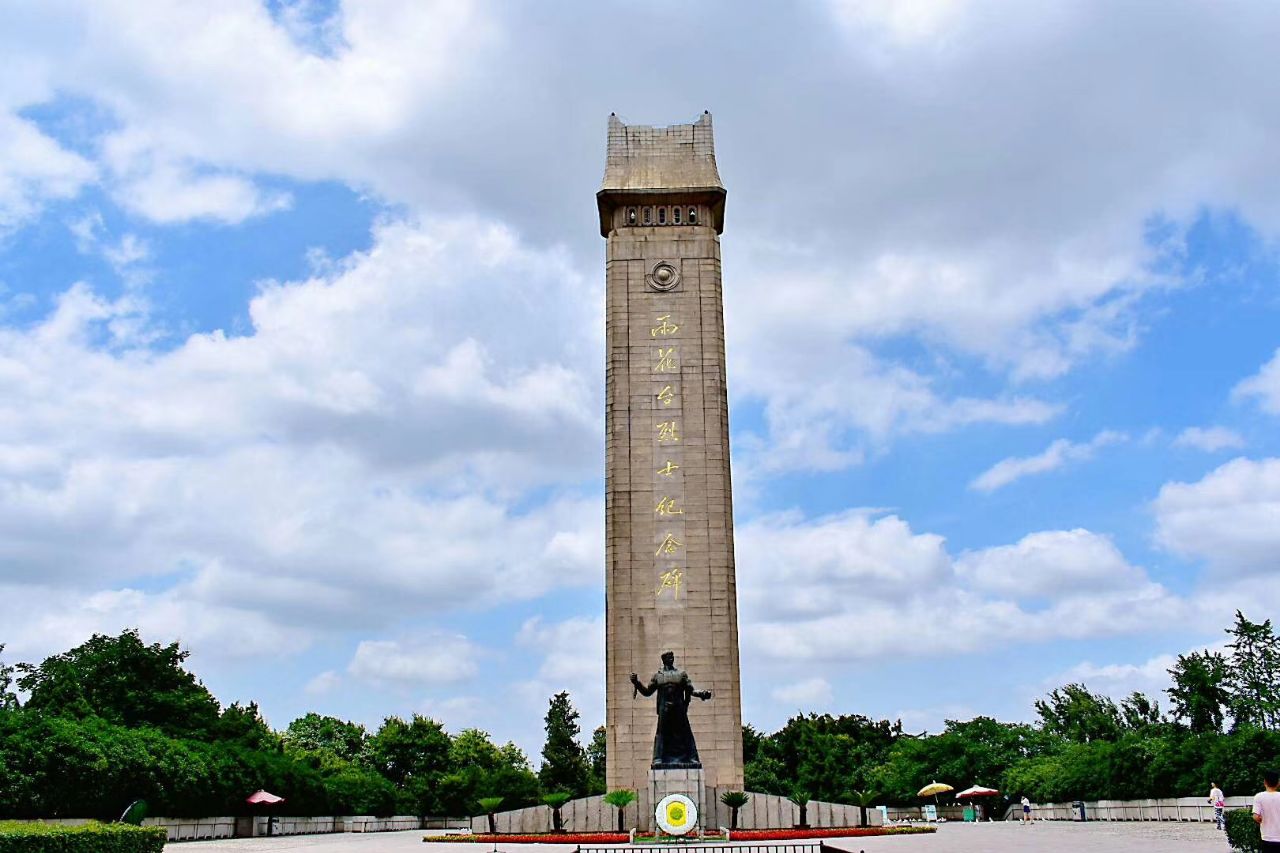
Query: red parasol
[(263, 797)]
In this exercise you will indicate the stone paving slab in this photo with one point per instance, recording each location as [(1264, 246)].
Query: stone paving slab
[(1039, 837)]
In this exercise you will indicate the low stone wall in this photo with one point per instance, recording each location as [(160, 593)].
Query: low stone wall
[(915, 813), (1174, 809), (585, 814), (767, 811), (593, 814), (193, 829)]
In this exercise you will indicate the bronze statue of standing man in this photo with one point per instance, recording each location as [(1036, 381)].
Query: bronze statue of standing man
[(673, 745)]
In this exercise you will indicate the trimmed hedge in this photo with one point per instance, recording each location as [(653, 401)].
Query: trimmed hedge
[(89, 838), (1242, 831)]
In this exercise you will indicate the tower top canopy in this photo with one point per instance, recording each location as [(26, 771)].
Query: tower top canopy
[(679, 160)]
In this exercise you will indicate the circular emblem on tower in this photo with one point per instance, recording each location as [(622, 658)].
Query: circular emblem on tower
[(663, 277), (676, 814)]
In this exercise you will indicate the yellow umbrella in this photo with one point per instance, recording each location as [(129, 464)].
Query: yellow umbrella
[(934, 788)]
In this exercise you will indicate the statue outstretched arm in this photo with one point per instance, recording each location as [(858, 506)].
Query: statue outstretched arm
[(704, 695), (642, 689)]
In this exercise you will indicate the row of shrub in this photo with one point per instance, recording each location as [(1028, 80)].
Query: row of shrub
[(1242, 831), (64, 767), (90, 838)]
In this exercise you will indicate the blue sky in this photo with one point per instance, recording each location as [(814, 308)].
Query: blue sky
[(301, 326)]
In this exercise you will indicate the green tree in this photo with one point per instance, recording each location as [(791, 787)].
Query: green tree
[(1074, 713), (479, 768), (823, 754), (414, 756), (564, 763), (8, 699), (597, 756), (313, 732), (1253, 675), (1139, 712), (1199, 696), (978, 750), (244, 724), (123, 681)]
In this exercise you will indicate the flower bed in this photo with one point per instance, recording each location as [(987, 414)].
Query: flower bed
[(738, 835)]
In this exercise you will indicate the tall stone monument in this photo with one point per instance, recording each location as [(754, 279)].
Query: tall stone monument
[(669, 583)]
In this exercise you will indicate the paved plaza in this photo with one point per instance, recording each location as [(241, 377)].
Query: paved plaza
[(951, 838)]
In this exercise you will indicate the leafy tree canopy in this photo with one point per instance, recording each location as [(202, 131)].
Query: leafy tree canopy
[(1199, 696), (1073, 713), (8, 699), (314, 732), (124, 681), (414, 749), (1253, 675), (596, 758)]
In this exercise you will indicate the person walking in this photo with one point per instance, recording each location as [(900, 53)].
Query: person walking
[(1266, 812), (1026, 809), (1218, 801)]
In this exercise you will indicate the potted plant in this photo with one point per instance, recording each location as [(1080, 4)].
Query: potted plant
[(734, 800), (620, 799)]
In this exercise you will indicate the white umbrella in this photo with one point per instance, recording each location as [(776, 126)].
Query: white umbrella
[(976, 791)]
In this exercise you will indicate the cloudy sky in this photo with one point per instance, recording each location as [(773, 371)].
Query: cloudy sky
[(301, 341)]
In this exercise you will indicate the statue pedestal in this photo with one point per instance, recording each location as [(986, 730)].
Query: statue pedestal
[(663, 782)]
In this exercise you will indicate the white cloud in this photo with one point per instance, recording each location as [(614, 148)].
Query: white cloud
[(361, 450), (34, 170), (1230, 518), (169, 194), (819, 423), (1050, 563), (927, 220), (40, 620), (811, 694), (325, 682), (1209, 439), (904, 20), (420, 663), (1055, 456), (934, 719), (193, 116), (1264, 386), (1118, 680), (572, 653), (846, 587)]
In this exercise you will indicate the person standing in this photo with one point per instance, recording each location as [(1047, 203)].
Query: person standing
[(1266, 812), (1026, 809), (1219, 801)]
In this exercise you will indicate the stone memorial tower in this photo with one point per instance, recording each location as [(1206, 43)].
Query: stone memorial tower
[(668, 511)]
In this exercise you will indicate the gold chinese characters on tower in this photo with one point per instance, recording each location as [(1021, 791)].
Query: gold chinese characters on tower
[(670, 581)]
